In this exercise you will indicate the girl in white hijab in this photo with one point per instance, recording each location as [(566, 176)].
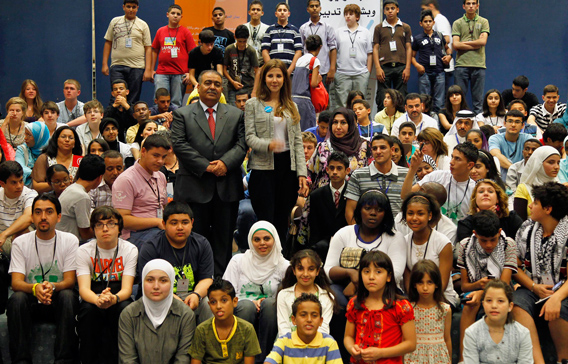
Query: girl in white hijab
[(256, 276), (156, 320), (543, 166)]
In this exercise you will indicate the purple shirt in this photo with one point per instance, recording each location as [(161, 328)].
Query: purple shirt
[(327, 35)]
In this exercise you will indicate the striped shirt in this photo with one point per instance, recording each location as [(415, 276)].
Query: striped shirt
[(291, 349), (288, 36), (12, 209), (543, 118), (368, 178), (101, 196)]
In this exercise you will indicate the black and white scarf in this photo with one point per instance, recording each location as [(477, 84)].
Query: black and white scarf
[(479, 263)]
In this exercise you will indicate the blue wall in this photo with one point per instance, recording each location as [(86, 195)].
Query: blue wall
[(51, 41)]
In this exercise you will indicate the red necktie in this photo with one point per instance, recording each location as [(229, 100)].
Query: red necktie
[(336, 195), (211, 121)]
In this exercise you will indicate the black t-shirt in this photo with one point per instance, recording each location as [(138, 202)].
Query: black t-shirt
[(197, 265), (530, 99), (123, 117), (223, 38), (204, 62)]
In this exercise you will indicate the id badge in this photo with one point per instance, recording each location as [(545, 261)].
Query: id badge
[(170, 190), (352, 52), (128, 42), (182, 285), (174, 52), (280, 47), (160, 213), (547, 279), (392, 45), (432, 60)]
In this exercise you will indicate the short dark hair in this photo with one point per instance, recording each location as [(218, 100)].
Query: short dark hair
[(112, 154), (338, 156), (325, 116), (200, 78), (309, 1), (117, 81), (556, 132), (206, 36), (486, 223), (360, 101), (521, 81), (242, 32), (412, 96), (426, 13), (174, 6), (48, 197), (54, 169), (52, 106), (427, 101), (387, 2), (140, 102), (517, 101), (552, 194), (177, 207), (105, 213), (10, 168), (280, 4), (549, 88), (407, 124), (243, 91), (92, 167), (384, 137), (514, 113), (256, 2), (156, 141), (130, 2), (219, 284), (162, 91), (433, 2), (469, 150), (313, 42), (305, 297), (218, 8)]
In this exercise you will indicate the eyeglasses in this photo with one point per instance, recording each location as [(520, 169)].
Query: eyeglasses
[(58, 183), (514, 121), (109, 225)]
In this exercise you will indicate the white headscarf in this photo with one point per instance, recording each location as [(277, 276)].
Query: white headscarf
[(534, 173), (157, 311), (463, 114), (257, 268)]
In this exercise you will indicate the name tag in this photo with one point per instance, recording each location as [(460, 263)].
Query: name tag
[(160, 213), (280, 47), (392, 45), (182, 285), (128, 42), (432, 60), (174, 52), (352, 52)]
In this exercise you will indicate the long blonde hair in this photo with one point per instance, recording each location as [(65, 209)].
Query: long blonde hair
[(286, 103), (37, 102)]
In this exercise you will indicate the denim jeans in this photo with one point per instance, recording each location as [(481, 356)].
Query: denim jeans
[(245, 220), (433, 84), (172, 83), (265, 321), (141, 236), (476, 77), (132, 76)]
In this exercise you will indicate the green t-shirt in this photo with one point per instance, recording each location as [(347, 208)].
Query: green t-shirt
[(209, 349), (469, 30)]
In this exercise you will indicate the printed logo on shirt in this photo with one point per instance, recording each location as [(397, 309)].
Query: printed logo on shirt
[(55, 274), (104, 265), (120, 195)]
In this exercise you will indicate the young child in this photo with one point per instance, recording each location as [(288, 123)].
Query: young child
[(224, 338), (89, 131), (306, 342), (310, 142), (50, 115), (433, 316), (320, 130), (304, 276), (367, 129), (497, 335), (58, 177), (256, 28), (240, 65), (306, 77), (121, 110), (393, 333)]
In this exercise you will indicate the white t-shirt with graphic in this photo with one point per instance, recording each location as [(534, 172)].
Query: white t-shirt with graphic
[(124, 264)]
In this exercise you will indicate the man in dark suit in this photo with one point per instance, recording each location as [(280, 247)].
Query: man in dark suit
[(327, 205), (209, 140)]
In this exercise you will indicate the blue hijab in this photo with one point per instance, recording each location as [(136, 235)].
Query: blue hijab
[(40, 133)]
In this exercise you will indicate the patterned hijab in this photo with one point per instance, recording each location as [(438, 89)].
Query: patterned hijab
[(352, 141)]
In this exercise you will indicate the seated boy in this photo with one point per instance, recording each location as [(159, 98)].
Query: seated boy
[(554, 136), (120, 110), (94, 113), (50, 114), (109, 130), (407, 135), (320, 130), (306, 342), (544, 114), (527, 128), (224, 338), (310, 142), (241, 98), (162, 111), (70, 108), (516, 169), (486, 255), (367, 130)]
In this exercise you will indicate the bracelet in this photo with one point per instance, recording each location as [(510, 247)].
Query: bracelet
[(34, 289), (197, 294), (532, 288), (117, 298)]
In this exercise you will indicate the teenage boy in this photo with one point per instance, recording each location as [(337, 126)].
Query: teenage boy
[(256, 29), (223, 36), (241, 98), (392, 52), (170, 49), (93, 111), (430, 54), (470, 33), (139, 193), (465, 121), (163, 108), (554, 136), (43, 280), (50, 114), (70, 108), (544, 114), (129, 39), (367, 129), (15, 203), (120, 110), (456, 181), (203, 58), (519, 92), (506, 147), (407, 134), (520, 105), (282, 40), (114, 166), (320, 130), (223, 338), (327, 204), (188, 252), (516, 169), (106, 267), (310, 143), (75, 200), (541, 249), (485, 255), (306, 342), (141, 114), (240, 65), (383, 174), (413, 106), (354, 56), (328, 53)]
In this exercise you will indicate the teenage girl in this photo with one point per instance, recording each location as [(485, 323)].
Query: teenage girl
[(380, 324), (433, 317), (304, 275)]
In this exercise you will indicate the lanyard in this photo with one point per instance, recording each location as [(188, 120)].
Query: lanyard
[(421, 124), (182, 276), (317, 28), (352, 40), (457, 140), (370, 127), (177, 30), (509, 148), (43, 274), (427, 243), (254, 32), (384, 189), (158, 193), (70, 116), (108, 268), (132, 26), (456, 194)]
